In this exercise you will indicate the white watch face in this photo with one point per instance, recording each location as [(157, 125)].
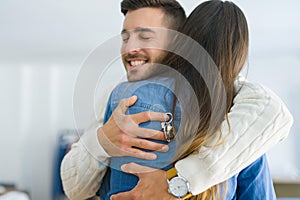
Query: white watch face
[(178, 187)]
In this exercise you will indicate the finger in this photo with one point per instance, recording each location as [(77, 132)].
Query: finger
[(121, 196), (148, 133), (131, 101), (149, 145), (127, 102), (136, 169), (149, 116), (133, 152)]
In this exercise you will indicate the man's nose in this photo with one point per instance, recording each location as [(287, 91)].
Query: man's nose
[(132, 46)]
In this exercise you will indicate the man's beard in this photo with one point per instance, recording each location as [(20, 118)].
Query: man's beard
[(152, 68), (150, 71)]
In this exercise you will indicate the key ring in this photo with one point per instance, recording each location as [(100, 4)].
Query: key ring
[(167, 128), (170, 118)]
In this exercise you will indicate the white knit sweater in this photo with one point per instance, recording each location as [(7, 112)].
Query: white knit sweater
[(258, 119)]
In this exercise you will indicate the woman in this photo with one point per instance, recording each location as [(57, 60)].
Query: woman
[(221, 29)]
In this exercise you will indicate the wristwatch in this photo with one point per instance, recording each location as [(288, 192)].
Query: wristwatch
[(178, 186)]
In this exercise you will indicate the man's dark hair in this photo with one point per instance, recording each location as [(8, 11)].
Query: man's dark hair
[(174, 13)]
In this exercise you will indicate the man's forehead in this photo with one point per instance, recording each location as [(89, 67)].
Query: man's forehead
[(144, 17)]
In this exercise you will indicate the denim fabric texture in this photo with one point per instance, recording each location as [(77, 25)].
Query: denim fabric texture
[(153, 95), (252, 183)]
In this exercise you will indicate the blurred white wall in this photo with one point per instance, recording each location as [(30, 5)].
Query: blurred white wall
[(36, 103), (43, 44)]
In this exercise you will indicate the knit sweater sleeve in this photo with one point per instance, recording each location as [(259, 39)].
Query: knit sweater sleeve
[(258, 120), (84, 167)]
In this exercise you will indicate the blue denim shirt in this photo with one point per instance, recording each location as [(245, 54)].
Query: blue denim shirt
[(254, 182), (153, 95)]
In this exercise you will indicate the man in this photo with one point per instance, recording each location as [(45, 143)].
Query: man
[(82, 174)]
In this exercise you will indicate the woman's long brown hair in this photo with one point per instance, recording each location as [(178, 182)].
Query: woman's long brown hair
[(220, 27)]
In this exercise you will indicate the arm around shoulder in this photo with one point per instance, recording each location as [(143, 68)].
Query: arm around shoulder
[(258, 119)]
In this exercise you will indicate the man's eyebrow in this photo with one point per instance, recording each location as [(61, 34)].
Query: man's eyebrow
[(137, 30), (140, 29)]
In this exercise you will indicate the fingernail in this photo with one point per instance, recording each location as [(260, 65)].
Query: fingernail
[(152, 156), (165, 148), (123, 167), (166, 117)]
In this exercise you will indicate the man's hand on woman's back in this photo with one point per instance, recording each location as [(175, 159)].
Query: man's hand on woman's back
[(121, 133)]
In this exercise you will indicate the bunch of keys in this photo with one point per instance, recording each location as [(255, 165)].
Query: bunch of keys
[(167, 128)]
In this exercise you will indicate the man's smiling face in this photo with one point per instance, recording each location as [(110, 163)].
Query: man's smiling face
[(143, 40)]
